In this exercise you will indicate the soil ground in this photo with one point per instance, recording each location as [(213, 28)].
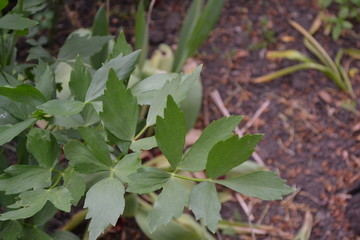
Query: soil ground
[(310, 139)]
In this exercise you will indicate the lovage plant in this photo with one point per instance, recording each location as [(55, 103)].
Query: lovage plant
[(87, 144)]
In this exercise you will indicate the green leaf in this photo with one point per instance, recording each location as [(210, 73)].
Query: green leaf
[(61, 198), (97, 144), (29, 204), (181, 228), (62, 107), (85, 46), (19, 178), (126, 166), (121, 47), (123, 67), (205, 204), (31, 233), (170, 132), (230, 153), (105, 202), (147, 180), (204, 25), (3, 4), (44, 215), (83, 159), (16, 22), (195, 159), (146, 89), (24, 93), (143, 144), (45, 80), (100, 27), (8, 132), (262, 184), (32, 202), (187, 30), (191, 105), (177, 89), (43, 146), (11, 230), (120, 109), (141, 33), (80, 79), (75, 184), (64, 235), (170, 203)]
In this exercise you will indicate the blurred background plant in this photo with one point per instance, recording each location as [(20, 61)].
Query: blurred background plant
[(348, 11)]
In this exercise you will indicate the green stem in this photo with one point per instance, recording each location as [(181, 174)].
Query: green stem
[(11, 50), (192, 179), (75, 220), (3, 53), (140, 133), (56, 182)]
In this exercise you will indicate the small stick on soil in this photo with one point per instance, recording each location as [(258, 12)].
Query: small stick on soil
[(215, 95), (247, 211), (255, 117)]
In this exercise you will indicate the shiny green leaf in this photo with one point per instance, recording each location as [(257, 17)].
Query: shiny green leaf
[(195, 159), (120, 109), (230, 153), (170, 132)]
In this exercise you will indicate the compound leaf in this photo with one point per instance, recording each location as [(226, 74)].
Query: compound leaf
[(230, 153), (177, 88), (170, 203), (82, 158), (126, 166), (120, 109), (105, 202), (44, 79), (32, 202), (147, 180), (262, 184), (170, 132), (43, 146), (95, 141), (60, 197), (195, 159), (121, 46), (123, 66), (19, 178), (8, 132), (75, 184), (80, 80), (62, 107), (205, 204)]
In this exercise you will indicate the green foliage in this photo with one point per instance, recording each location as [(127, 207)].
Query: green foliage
[(325, 64), (84, 104), (347, 10)]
